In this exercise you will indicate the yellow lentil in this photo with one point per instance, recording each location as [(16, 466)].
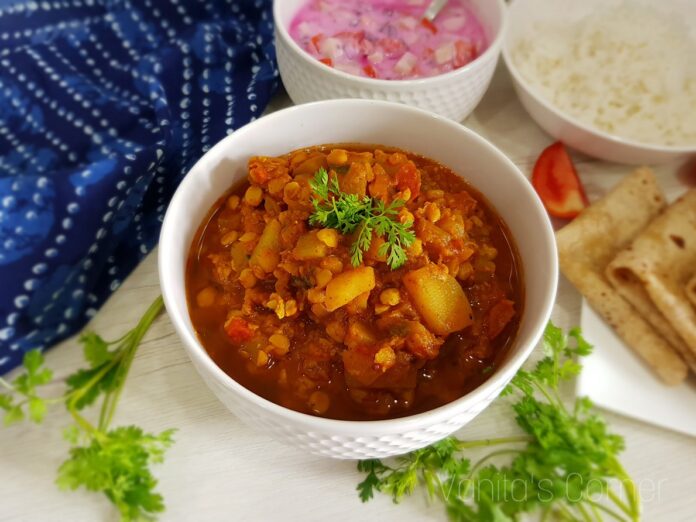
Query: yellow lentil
[(390, 297), (229, 238), (385, 357), (261, 358), (253, 196), (416, 248), (332, 263), (247, 278), (337, 157), (291, 190), (432, 212), (276, 185), (247, 237), (290, 307), (233, 202), (323, 277), (336, 331), (319, 402), (319, 310), (206, 297), (315, 295), (280, 340), (381, 308)]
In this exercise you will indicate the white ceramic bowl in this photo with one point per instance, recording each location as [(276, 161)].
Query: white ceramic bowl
[(370, 122), (453, 95), (523, 16)]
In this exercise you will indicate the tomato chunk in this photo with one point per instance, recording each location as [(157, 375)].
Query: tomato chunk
[(557, 183), (370, 71), (391, 47), (316, 40), (499, 316), (327, 61), (408, 177), (238, 330), (464, 52), (429, 25)]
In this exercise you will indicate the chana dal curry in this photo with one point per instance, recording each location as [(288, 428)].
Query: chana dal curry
[(354, 282)]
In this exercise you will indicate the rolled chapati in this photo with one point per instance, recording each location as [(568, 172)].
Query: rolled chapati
[(658, 265), (590, 242)]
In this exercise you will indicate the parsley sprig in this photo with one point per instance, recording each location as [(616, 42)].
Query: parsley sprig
[(113, 461), (565, 464), (349, 213)]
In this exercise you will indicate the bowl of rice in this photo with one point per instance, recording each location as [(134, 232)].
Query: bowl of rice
[(615, 79)]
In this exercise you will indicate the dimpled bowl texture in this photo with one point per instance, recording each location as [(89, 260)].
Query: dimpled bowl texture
[(368, 122), (523, 16), (453, 95)]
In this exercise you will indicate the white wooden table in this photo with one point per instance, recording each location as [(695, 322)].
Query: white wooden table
[(221, 470)]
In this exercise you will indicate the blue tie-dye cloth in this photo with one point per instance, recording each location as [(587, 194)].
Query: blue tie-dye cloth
[(104, 105)]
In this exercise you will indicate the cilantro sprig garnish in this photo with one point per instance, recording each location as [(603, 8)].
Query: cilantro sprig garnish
[(564, 466), (113, 461), (349, 213)]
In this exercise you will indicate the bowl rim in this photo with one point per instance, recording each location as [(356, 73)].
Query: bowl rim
[(491, 50), (196, 351), (536, 94)]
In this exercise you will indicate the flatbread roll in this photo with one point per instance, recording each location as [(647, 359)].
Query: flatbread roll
[(691, 290), (589, 243), (662, 259)]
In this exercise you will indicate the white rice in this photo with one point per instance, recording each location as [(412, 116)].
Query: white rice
[(628, 70)]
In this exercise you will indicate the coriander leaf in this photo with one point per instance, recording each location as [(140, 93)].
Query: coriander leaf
[(582, 347), (554, 341), (117, 464), (85, 386), (372, 467), (320, 184), (32, 361), (96, 349), (14, 415), (37, 409), (71, 434), (25, 385), (6, 401), (348, 212), (34, 375)]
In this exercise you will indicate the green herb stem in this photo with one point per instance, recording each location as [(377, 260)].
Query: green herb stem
[(613, 514), (7, 385), (463, 444), (132, 342), (583, 511), (629, 486)]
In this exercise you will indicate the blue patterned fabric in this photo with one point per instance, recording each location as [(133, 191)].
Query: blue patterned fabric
[(104, 105)]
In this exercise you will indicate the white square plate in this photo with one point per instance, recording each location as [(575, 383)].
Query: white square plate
[(616, 379)]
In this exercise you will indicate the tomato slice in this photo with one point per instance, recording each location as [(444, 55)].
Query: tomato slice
[(557, 183)]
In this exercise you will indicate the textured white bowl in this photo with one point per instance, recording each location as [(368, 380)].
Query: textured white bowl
[(370, 122), (523, 16), (453, 95)]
